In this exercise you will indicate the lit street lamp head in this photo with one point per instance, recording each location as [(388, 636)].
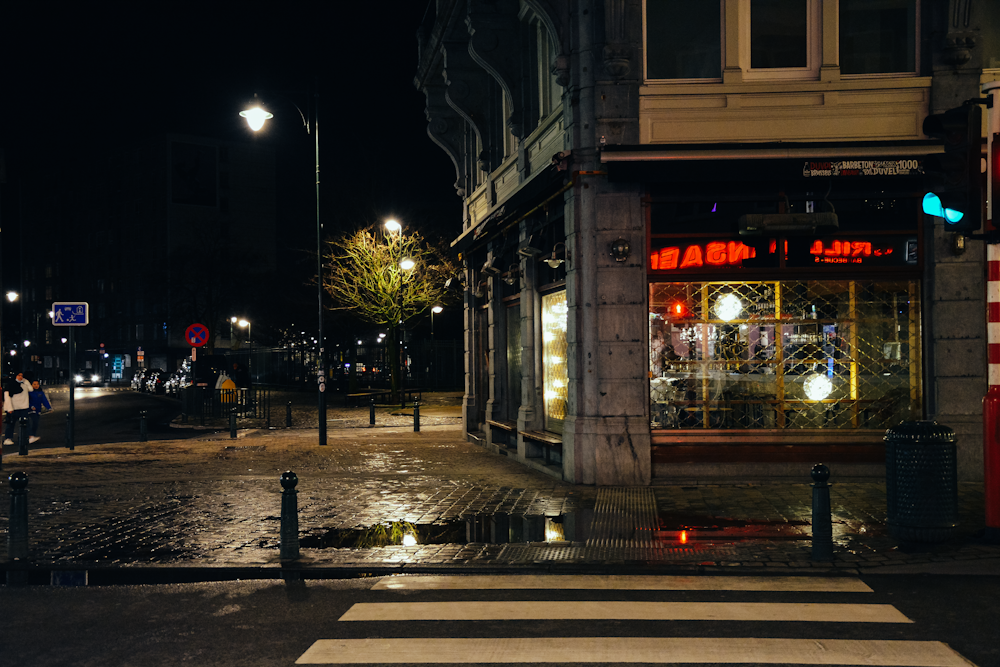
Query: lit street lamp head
[(256, 116), (407, 264), (393, 227)]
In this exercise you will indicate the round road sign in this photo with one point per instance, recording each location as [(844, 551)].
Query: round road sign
[(196, 335)]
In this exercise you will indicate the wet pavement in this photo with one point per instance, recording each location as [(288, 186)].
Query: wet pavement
[(210, 506)]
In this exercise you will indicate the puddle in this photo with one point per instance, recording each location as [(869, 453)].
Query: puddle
[(674, 529), (680, 527)]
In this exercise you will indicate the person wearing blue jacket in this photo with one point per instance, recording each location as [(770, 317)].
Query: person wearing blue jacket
[(38, 401)]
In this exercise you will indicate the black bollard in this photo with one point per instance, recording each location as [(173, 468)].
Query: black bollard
[(17, 531), (69, 432), (371, 413), (416, 416), (288, 415), (289, 517), (22, 436), (143, 431), (232, 423), (822, 523)]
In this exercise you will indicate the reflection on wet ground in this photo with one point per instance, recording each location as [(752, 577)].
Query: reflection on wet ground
[(674, 529)]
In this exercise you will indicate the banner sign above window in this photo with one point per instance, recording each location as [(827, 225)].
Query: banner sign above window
[(707, 255)]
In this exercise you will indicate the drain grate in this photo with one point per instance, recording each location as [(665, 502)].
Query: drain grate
[(530, 553), (624, 517)]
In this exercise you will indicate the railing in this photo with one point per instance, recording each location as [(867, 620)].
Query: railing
[(201, 403)]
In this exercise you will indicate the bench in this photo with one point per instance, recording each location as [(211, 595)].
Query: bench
[(509, 435), (381, 397), (550, 443)]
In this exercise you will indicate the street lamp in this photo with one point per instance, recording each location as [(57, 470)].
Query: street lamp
[(434, 311), (256, 116), (12, 296), (245, 324)]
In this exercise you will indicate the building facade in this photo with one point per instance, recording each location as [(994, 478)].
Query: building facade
[(692, 241)]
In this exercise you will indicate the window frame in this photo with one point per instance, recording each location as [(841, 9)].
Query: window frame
[(722, 51), (814, 47), (885, 75)]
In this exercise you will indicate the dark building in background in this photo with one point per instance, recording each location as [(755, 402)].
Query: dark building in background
[(153, 235), (692, 240)]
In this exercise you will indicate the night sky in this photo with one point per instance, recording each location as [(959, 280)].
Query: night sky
[(80, 76)]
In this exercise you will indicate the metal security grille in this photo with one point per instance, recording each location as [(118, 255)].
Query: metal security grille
[(806, 354)]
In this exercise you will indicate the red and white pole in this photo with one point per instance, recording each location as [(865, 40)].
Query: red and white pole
[(991, 402)]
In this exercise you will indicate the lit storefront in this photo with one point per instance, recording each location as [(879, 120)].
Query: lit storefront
[(796, 334)]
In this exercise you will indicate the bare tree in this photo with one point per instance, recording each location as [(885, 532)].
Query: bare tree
[(369, 273)]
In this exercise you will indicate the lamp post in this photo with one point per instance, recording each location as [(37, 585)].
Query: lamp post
[(256, 116), (435, 310), (245, 324), (11, 298)]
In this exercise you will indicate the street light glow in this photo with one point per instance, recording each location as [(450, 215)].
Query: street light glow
[(393, 227), (436, 309), (256, 116), (12, 296), (407, 263)]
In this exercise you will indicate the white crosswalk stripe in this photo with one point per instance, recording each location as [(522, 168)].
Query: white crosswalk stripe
[(624, 650)]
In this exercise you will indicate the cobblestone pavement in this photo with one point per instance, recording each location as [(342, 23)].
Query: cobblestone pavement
[(214, 502)]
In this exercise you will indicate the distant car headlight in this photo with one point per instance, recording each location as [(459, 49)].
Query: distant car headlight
[(78, 379), (95, 378)]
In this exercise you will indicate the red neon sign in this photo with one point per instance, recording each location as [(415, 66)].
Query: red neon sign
[(845, 252), (715, 253)]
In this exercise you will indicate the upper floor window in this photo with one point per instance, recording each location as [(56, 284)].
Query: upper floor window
[(779, 32), (782, 39), (878, 36), (683, 39)]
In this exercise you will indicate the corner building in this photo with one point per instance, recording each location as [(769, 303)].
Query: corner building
[(692, 239)]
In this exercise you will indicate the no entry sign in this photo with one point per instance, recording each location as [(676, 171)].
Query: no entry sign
[(196, 335)]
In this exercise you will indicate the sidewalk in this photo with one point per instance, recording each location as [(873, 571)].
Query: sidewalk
[(211, 506)]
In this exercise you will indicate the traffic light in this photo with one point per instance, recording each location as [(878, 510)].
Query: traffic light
[(954, 177)]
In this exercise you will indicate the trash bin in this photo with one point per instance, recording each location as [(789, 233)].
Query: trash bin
[(921, 481)]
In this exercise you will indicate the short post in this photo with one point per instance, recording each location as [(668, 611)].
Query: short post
[(416, 416), (69, 432), (288, 415), (17, 533), (822, 523), (232, 423), (371, 413), (289, 517), (22, 436), (143, 429)]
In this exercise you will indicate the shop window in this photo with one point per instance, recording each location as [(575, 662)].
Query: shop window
[(554, 383), (683, 39), (830, 354), (877, 36)]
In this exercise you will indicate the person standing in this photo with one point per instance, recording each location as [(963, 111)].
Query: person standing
[(16, 404), (38, 401)]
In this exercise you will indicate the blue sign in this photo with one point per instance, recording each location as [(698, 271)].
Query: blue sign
[(70, 314)]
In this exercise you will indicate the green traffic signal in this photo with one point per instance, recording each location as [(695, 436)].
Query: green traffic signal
[(954, 177)]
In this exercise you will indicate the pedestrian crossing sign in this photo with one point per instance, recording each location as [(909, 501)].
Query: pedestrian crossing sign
[(76, 314)]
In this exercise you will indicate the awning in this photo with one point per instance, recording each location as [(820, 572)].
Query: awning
[(533, 194)]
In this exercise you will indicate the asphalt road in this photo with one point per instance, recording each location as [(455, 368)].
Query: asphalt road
[(106, 416), (927, 620)]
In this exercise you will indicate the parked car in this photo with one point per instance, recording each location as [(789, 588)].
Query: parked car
[(179, 379), (86, 378), (139, 379), (153, 382)]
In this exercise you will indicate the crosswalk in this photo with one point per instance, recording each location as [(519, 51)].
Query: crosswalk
[(658, 649)]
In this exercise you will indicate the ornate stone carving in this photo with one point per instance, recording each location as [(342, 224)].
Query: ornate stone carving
[(617, 61), (492, 23), (446, 129)]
